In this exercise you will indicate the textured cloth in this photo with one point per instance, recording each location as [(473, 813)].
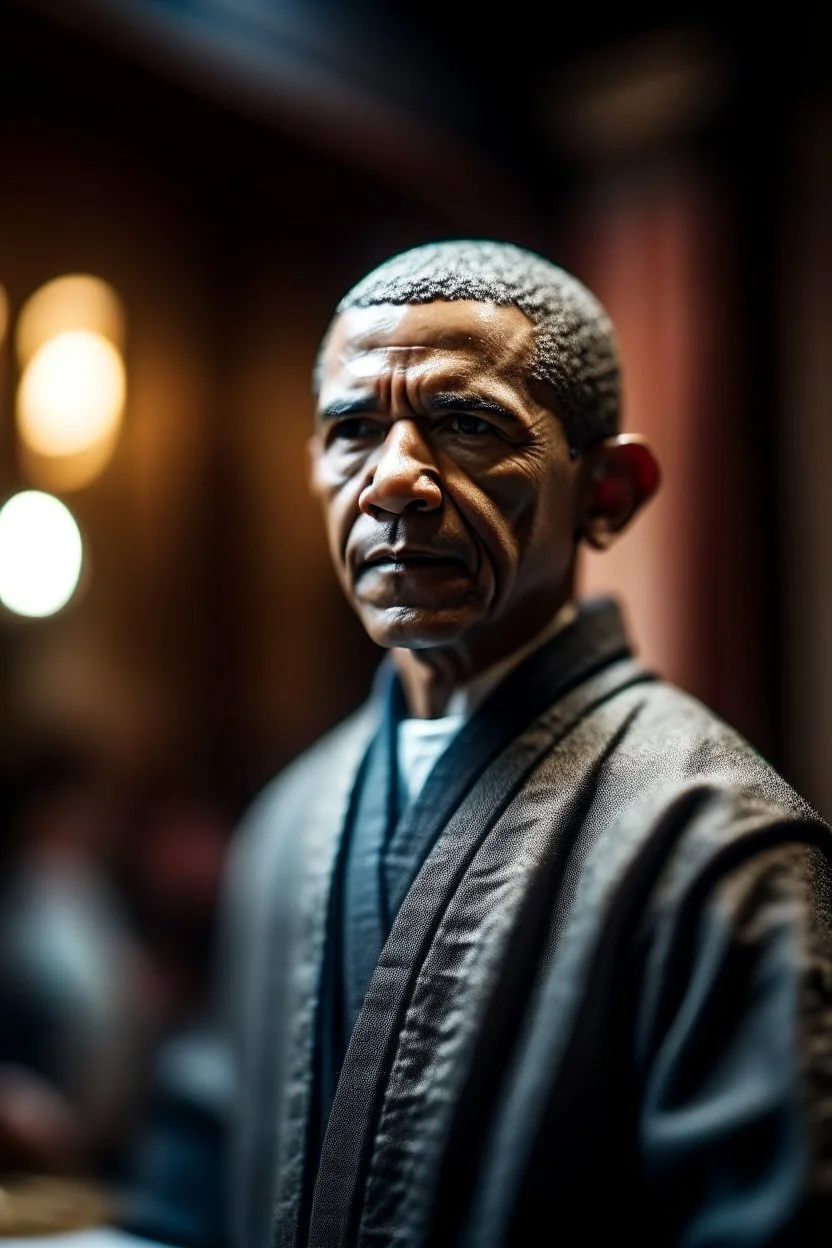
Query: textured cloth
[(603, 1004)]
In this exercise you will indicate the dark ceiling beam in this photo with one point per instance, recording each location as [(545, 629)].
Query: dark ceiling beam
[(338, 91)]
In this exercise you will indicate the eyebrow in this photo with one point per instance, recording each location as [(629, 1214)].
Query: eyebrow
[(448, 401), (354, 406), (452, 401)]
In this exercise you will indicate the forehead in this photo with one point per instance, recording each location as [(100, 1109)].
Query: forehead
[(458, 336)]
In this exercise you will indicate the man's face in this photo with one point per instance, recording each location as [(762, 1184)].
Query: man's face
[(449, 495)]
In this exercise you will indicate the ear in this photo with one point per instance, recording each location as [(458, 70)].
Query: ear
[(622, 474)]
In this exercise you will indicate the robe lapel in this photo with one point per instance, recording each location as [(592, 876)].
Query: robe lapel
[(465, 810), (589, 644), (365, 905)]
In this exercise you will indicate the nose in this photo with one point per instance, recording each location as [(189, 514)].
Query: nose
[(404, 477)]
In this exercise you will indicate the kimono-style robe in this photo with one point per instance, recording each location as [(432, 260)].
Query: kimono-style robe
[(603, 1005)]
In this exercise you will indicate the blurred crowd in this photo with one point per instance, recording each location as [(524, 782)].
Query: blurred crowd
[(108, 897)]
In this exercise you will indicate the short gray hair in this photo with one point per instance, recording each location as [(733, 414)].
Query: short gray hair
[(576, 348)]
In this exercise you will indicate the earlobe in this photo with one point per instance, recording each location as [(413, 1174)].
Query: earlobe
[(622, 474)]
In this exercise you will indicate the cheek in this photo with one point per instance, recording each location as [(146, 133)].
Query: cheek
[(530, 513), (502, 510), (340, 514), (552, 524)]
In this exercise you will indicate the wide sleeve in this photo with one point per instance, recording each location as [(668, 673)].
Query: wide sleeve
[(735, 1057)]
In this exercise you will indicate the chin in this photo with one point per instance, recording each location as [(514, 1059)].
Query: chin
[(408, 628)]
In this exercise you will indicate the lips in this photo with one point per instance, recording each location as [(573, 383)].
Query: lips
[(404, 559), (411, 580)]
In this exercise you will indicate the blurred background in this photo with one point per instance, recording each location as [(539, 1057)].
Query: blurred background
[(187, 187)]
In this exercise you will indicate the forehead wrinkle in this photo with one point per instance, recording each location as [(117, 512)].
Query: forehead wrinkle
[(456, 325), (369, 361), (482, 353)]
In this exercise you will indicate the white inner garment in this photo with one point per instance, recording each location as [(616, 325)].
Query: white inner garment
[(421, 741)]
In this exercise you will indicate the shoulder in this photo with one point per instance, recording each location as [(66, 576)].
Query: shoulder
[(671, 742), (728, 824), (295, 788), (673, 791), (333, 749), (280, 821)]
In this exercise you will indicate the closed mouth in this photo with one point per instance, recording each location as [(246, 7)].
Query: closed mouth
[(405, 561)]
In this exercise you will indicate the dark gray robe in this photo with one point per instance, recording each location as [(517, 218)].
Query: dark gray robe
[(603, 1007)]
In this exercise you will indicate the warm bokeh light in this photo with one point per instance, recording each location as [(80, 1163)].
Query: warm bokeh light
[(75, 302), (41, 554), (71, 395), (4, 313), (59, 473)]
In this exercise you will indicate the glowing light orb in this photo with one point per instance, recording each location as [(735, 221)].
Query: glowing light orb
[(4, 313), (72, 393), (75, 301), (41, 554)]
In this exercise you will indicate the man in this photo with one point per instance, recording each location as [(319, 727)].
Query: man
[(532, 947)]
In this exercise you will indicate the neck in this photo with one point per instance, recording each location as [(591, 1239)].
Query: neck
[(431, 678), (428, 680)]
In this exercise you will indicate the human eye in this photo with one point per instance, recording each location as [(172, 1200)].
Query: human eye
[(467, 425), (352, 429)]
